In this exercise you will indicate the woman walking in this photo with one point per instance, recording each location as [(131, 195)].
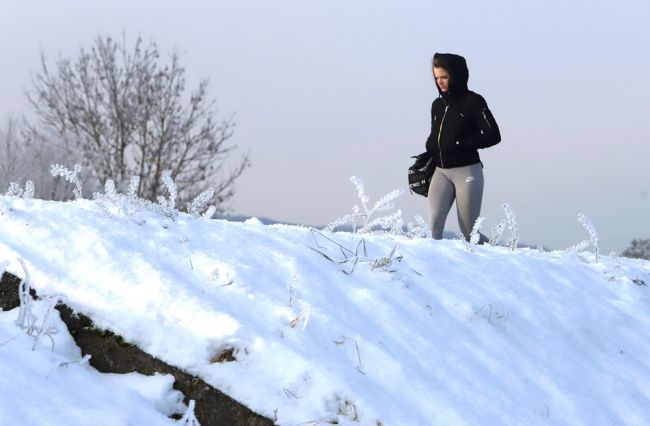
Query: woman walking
[(461, 123)]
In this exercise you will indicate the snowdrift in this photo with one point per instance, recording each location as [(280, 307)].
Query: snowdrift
[(329, 327)]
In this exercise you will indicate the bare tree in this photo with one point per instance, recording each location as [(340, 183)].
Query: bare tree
[(638, 249), (24, 157), (129, 115), (10, 152)]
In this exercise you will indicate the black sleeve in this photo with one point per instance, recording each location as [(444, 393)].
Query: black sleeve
[(431, 137), (489, 130)]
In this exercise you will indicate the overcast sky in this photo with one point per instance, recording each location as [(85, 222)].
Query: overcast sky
[(323, 90)]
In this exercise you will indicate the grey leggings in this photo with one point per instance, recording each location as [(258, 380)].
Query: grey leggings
[(465, 184)]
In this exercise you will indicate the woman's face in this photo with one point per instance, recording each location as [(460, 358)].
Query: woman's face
[(442, 78)]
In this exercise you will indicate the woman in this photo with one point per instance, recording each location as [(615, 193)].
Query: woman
[(461, 123)]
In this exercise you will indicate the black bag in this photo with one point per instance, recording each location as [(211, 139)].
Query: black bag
[(420, 173)]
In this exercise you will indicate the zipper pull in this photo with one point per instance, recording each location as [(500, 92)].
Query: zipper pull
[(486, 119)]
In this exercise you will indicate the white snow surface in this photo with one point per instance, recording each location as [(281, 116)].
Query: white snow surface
[(438, 335), (52, 385)]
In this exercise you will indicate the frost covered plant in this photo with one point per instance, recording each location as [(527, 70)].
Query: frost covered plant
[(15, 190), (615, 272), (29, 190), (129, 203), (109, 192), (417, 229), (200, 201), (475, 235), (393, 223), (342, 221), (385, 263), (301, 319), (497, 233), (224, 279), (26, 318), (593, 237), (134, 183), (167, 206), (354, 256), (511, 225), (209, 213), (360, 218), (290, 290), (347, 408), (69, 176), (189, 418), (46, 329), (356, 345)]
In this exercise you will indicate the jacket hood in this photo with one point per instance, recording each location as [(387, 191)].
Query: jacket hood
[(458, 72)]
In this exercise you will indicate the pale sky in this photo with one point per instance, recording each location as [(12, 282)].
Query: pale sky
[(323, 90)]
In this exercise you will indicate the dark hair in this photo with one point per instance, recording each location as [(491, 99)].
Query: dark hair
[(439, 62)]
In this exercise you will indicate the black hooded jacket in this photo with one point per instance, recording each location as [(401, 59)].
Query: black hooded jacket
[(461, 122)]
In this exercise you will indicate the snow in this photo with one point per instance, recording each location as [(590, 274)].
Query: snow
[(56, 387), (434, 334)]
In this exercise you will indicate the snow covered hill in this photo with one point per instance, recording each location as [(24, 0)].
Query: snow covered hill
[(414, 332)]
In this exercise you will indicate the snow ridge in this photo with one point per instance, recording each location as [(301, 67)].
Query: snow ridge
[(417, 332)]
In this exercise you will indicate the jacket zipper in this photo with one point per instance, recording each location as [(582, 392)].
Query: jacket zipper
[(486, 119), (442, 163)]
